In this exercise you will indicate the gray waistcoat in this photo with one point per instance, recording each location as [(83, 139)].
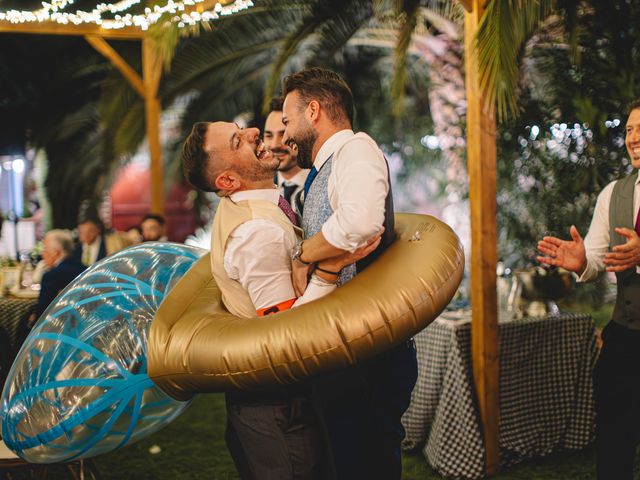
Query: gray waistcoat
[(627, 308), (317, 211)]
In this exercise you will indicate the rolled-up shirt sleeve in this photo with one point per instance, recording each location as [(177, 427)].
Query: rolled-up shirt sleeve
[(596, 243), (358, 186), (258, 256)]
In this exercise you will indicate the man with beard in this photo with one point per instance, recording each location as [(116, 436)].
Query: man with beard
[(153, 228), (274, 433), (290, 177), (347, 198), (613, 244)]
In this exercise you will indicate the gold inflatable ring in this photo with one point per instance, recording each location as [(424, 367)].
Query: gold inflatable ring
[(196, 345)]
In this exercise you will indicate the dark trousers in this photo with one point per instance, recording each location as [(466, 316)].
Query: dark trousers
[(616, 380), (278, 440), (361, 408)]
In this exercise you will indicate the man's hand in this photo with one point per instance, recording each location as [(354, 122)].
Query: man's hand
[(300, 272), (570, 255), (31, 320), (625, 256), (337, 263), (300, 276)]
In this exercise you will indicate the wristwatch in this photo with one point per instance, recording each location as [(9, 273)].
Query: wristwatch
[(296, 253)]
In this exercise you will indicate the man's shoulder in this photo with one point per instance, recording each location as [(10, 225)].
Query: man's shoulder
[(70, 265), (360, 149), (608, 189), (360, 139), (62, 270)]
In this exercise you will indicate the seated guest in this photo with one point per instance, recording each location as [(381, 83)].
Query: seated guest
[(134, 234), (56, 254), (92, 246), (95, 244), (153, 228)]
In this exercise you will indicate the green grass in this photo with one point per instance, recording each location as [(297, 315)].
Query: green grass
[(601, 316), (193, 447)]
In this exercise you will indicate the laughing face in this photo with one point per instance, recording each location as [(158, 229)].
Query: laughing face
[(273, 133), (240, 151), (298, 130), (632, 140)]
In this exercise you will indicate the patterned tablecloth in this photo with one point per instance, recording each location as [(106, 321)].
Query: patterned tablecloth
[(12, 310), (546, 392)]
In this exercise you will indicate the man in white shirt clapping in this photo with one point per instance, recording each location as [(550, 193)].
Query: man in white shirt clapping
[(613, 245)]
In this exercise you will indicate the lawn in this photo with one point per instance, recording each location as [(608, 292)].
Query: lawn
[(193, 447)]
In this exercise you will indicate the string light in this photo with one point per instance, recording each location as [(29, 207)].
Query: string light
[(52, 12)]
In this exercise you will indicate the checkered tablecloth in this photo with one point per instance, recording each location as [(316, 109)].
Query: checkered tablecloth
[(12, 310), (546, 392)]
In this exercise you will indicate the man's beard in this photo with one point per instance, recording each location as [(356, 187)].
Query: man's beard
[(258, 171), (305, 142), (288, 164)]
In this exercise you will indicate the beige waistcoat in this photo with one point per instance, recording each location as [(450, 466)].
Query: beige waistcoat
[(229, 216)]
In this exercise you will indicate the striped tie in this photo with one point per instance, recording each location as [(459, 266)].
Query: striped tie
[(288, 211)]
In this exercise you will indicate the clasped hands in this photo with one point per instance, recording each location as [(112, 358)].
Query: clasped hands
[(571, 254), (300, 272)]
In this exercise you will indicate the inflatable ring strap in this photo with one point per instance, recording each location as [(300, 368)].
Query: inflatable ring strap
[(196, 345)]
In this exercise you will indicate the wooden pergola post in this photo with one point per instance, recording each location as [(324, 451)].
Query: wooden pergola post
[(151, 72), (481, 158)]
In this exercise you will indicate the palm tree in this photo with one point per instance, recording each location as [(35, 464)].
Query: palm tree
[(235, 65)]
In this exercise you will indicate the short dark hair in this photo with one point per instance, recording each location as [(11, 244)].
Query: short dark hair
[(92, 219), (276, 104), (326, 87), (635, 104), (153, 216), (195, 161)]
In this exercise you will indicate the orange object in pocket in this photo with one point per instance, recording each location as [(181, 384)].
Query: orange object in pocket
[(280, 307)]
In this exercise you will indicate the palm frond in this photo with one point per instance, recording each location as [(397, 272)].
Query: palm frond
[(338, 30), (408, 12), (167, 35), (322, 15), (503, 31)]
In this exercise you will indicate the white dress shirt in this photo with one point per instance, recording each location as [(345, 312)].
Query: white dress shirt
[(298, 179), (258, 256), (596, 242), (358, 187), (90, 251)]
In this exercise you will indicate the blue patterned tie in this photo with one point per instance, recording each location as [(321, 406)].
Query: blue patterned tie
[(307, 184)]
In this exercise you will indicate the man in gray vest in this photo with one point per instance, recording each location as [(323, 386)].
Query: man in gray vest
[(613, 244), (347, 199)]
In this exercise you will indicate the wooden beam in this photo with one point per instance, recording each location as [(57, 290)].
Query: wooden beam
[(467, 5), (151, 72), (53, 28), (101, 45), (481, 157)]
